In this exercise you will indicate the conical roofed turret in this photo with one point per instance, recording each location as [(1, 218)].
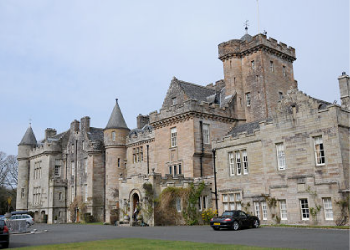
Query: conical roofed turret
[(116, 120), (28, 138)]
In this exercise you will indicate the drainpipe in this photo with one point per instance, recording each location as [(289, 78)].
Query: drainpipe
[(66, 189), (202, 146), (147, 146), (215, 186)]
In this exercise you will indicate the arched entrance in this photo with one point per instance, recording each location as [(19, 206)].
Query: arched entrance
[(135, 204)]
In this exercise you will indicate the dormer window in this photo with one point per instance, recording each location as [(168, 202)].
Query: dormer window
[(174, 101)]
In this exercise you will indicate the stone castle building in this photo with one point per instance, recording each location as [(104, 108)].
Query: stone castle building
[(256, 141)]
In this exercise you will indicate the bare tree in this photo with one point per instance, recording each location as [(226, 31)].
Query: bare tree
[(8, 171)]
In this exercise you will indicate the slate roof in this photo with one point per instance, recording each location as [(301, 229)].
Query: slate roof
[(247, 38), (29, 138), (247, 127), (95, 134), (196, 92), (116, 120)]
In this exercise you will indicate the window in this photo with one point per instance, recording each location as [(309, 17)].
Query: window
[(238, 163), (22, 193), (118, 162), (86, 166), (239, 156), (83, 145), (284, 71), (60, 196), (138, 154), (57, 168), (281, 158), (319, 151), (247, 99), (36, 195), (72, 148), (72, 193), (170, 170), (113, 136), (280, 95), (141, 153), (73, 168), (37, 170), (253, 65), (232, 201), (178, 204), (206, 135), (271, 66), (231, 160), (174, 101), (304, 206), (175, 169), (283, 209), (264, 210), (257, 209), (205, 202), (85, 192), (328, 210), (245, 162), (173, 132)]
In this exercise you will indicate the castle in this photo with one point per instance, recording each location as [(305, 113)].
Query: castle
[(255, 141)]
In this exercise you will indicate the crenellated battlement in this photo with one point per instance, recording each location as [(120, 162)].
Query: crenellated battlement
[(45, 148), (239, 48), (189, 109)]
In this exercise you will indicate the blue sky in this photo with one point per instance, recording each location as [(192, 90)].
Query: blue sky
[(62, 60)]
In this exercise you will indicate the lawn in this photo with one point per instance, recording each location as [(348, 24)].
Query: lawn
[(142, 244)]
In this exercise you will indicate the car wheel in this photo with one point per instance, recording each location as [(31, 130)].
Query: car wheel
[(235, 225), (5, 245), (216, 228), (256, 224)]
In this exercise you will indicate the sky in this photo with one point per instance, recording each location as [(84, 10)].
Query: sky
[(63, 60)]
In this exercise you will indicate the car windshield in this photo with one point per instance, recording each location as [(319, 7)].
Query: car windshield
[(227, 214), (2, 223)]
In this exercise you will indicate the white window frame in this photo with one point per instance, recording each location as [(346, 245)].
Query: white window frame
[(231, 162), (173, 137), (245, 161), (264, 210), (328, 209), (283, 210), (304, 209), (206, 134), (257, 209), (320, 156), (281, 156), (238, 162)]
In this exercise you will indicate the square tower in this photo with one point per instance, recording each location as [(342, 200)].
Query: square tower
[(258, 72)]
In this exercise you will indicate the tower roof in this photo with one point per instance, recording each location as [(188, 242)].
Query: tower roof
[(116, 120), (28, 138)]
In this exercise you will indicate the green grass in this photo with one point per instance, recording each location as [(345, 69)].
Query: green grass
[(131, 244)]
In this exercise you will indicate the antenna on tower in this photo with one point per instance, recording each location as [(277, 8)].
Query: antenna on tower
[(257, 3), (246, 24)]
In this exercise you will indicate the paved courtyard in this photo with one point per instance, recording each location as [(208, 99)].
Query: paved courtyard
[(266, 236)]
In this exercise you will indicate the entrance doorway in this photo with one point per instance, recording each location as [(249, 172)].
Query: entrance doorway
[(135, 203)]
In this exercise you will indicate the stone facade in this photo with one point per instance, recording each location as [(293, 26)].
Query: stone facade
[(256, 141)]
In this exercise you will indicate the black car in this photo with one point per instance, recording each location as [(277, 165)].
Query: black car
[(4, 234), (235, 220)]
